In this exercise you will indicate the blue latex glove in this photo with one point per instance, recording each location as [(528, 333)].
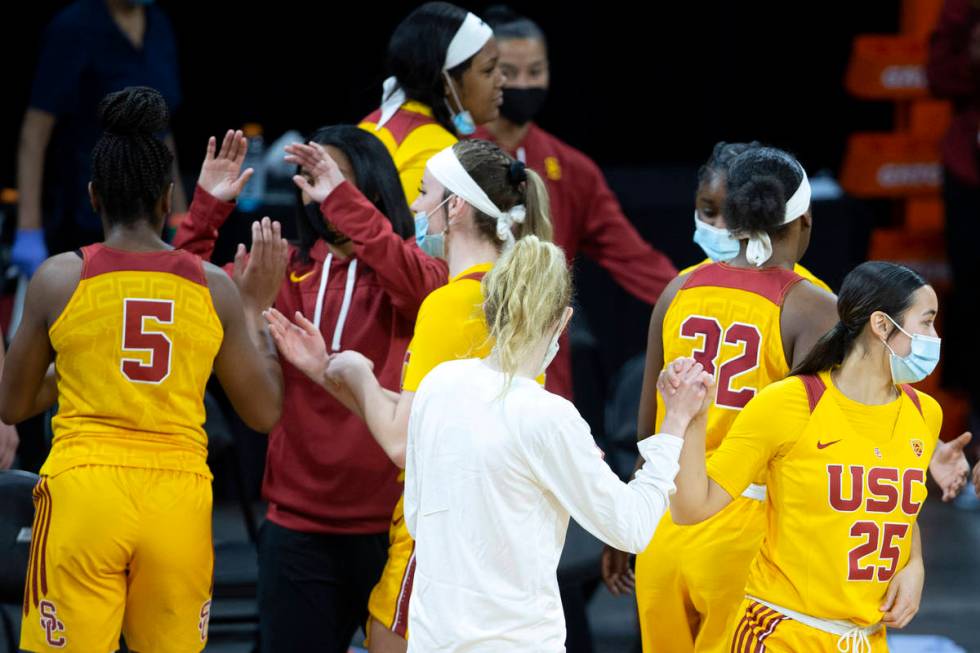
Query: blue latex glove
[(29, 250)]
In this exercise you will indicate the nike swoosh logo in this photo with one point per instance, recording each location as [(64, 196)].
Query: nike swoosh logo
[(395, 522), (822, 445), (295, 279)]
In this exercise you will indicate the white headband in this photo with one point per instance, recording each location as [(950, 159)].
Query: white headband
[(759, 249), (445, 167), (469, 39)]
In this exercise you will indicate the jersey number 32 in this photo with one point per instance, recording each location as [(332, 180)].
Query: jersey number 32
[(709, 330)]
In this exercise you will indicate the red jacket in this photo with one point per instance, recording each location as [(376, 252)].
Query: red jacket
[(324, 471), (953, 76), (587, 217)]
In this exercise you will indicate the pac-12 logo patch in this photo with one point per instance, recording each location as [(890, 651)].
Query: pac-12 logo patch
[(917, 447), (202, 625), (51, 624)]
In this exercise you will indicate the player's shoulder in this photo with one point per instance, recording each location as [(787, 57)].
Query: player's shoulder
[(453, 296), (673, 288), (224, 292), (786, 395), (932, 411), (58, 266), (541, 409), (446, 374), (418, 133), (58, 272), (691, 268), (811, 277)]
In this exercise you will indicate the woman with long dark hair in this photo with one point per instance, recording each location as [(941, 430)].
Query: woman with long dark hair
[(331, 489)]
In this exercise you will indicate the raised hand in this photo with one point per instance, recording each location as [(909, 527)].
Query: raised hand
[(685, 387), (319, 166), (949, 467), (259, 275), (300, 343), (221, 174)]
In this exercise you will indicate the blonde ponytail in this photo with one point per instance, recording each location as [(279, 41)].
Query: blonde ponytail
[(525, 294)]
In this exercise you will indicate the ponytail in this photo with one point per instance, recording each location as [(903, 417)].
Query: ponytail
[(507, 183), (870, 287), (828, 352), (525, 294), (537, 221)]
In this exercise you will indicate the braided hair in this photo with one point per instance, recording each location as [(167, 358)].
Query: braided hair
[(507, 182), (131, 167)]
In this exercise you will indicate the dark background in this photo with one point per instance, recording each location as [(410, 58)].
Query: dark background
[(631, 85), (646, 91)]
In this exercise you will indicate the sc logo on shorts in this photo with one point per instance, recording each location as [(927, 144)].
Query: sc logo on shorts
[(202, 625), (51, 624)]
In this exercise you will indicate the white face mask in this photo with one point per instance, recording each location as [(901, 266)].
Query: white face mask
[(550, 354), (553, 346)]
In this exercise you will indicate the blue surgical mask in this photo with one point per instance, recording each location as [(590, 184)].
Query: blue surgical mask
[(432, 244), (921, 360), (716, 242), (462, 120)]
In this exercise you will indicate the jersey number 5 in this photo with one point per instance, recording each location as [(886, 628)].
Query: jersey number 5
[(712, 335), (139, 338)]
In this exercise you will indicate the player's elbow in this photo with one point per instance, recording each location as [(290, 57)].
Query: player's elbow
[(682, 518), (10, 412), (684, 515), (397, 454), (8, 416), (265, 420)]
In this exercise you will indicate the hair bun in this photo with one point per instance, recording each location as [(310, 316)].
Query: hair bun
[(134, 111), (517, 173), (762, 200)]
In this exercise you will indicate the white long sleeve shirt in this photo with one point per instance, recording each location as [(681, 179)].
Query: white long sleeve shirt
[(490, 482)]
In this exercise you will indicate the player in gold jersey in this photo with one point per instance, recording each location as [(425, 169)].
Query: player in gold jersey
[(845, 444), (747, 321), (122, 530), (475, 202), (710, 228)]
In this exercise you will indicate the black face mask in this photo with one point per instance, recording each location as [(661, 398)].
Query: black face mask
[(322, 229), (522, 104)]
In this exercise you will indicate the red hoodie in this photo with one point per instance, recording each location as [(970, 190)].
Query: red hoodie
[(587, 217), (324, 471)]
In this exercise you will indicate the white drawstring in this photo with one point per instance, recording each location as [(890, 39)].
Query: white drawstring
[(854, 641), (318, 311), (344, 308)]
